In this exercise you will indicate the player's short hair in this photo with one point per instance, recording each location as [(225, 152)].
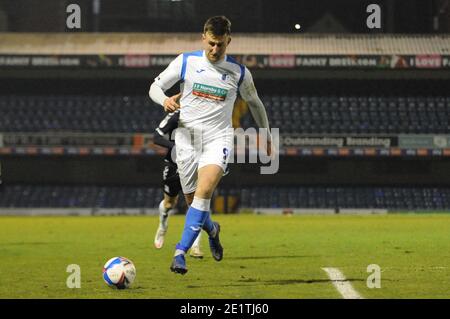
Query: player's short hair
[(218, 25)]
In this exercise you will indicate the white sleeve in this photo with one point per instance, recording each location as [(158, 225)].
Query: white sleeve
[(165, 80), (157, 94), (250, 95), (171, 75)]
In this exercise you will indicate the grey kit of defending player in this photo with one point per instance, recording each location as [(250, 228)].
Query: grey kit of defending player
[(171, 182)]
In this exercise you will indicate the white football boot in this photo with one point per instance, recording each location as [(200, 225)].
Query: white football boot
[(163, 225), (195, 251)]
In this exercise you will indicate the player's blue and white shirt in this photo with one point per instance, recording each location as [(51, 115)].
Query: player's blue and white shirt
[(209, 90)]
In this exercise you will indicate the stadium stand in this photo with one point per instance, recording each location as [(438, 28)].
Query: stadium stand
[(395, 198), (359, 115), (290, 113), (72, 104), (78, 114), (78, 196), (85, 196)]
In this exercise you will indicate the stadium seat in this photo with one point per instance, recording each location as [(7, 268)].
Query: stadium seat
[(293, 114), (396, 198)]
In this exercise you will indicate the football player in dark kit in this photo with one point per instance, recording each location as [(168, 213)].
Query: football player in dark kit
[(171, 181)]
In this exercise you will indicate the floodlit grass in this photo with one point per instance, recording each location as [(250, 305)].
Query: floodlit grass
[(264, 257)]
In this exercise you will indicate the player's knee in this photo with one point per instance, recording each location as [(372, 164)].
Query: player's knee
[(206, 187), (205, 191), (168, 205), (189, 198), (170, 202)]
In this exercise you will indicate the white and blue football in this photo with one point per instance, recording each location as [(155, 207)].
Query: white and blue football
[(119, 272)]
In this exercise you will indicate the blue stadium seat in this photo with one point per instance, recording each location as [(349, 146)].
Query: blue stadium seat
[(394, 198), (291, 113)]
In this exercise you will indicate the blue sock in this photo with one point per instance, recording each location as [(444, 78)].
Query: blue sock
[(195, 219)]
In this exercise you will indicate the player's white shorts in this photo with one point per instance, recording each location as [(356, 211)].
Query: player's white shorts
[(190, 155)]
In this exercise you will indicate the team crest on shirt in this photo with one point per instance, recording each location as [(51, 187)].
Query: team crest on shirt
[(224, 77), (225, 155), (209, 92)]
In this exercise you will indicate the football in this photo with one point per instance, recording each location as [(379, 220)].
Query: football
[(119, 272)]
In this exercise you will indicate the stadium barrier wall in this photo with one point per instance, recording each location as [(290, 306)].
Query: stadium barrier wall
[(50, 211), (142, 171), (311, 211)]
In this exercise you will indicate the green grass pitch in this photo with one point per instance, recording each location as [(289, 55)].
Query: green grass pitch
[(264, 256)]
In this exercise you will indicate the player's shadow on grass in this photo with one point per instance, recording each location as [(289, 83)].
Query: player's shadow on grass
[(255, 282), (21, 243), (269, 257), (303, 281)]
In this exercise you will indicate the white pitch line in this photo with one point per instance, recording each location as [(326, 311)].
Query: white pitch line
[(344, 287)]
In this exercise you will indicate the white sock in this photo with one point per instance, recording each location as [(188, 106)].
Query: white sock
[(163, 214), (202, 204), (197, 240), (179, 252)]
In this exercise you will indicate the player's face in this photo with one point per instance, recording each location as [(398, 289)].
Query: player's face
[(215, 46)]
